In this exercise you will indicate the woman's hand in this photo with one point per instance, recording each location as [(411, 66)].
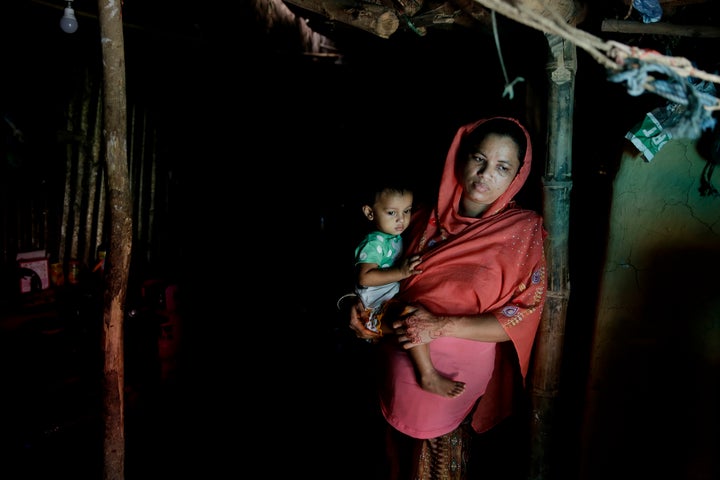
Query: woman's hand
[(417, 326), (358, 319)]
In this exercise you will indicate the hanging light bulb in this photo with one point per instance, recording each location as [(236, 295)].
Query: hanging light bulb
[(68, 22)]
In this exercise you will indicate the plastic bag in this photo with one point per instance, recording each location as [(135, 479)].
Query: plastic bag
[(650, 9)]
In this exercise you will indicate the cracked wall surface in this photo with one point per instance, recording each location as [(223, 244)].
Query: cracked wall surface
[(652, 388)]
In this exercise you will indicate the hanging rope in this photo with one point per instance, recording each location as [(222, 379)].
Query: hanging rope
[(709, 145), (508, 91), (707, 189), (696, 114), (624, 63), (610, 54)]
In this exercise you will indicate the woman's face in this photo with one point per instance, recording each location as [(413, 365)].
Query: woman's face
[(488, 171)]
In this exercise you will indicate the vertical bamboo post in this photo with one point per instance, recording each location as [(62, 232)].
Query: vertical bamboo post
[(556, 212), (121, 229)]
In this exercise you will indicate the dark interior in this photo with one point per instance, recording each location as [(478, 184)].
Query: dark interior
[(267, 147)]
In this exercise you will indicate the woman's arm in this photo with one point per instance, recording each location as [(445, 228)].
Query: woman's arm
[(420, 326)]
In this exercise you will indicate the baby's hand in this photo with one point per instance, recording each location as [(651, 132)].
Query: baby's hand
[(410, 265)]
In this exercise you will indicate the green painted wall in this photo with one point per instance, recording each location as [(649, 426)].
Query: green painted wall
[(652, 394)]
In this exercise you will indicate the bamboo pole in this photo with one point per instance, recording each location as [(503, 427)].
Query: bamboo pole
[(121, 230), (557, 183)]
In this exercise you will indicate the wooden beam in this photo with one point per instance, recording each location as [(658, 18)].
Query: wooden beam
[(659, 28), (376, 19)]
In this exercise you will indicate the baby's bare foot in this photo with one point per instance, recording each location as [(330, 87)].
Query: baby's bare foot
[(436, 383)]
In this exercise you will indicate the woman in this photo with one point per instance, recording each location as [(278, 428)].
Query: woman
[(477, 304)]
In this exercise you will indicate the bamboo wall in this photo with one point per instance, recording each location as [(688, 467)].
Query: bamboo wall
[(59, 203)]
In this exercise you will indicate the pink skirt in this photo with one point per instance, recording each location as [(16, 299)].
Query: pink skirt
[(420, 414)]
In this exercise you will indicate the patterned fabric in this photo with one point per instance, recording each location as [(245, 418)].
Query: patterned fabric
[(444, 457), (379, 247), (382, 249)]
